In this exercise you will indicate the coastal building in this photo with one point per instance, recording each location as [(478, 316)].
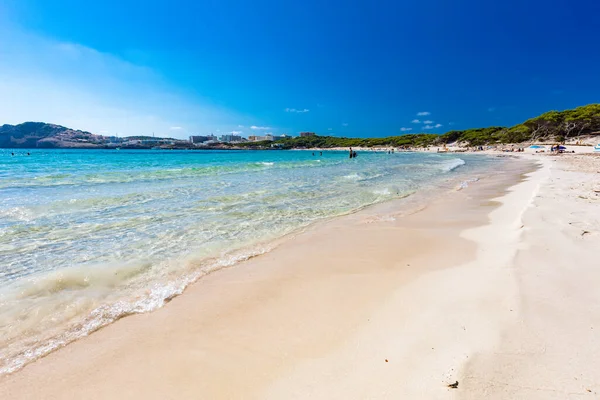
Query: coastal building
[(270, 137), (230, 138), (202, 139), (284, 136), (306, 134), (156, 142), (254, 138)]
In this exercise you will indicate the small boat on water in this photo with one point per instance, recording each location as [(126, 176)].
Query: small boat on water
[(597, 148)]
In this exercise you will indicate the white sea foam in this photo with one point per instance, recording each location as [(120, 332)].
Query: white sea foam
[(22, 350), (452, 164), (465, 184), (382, 192)]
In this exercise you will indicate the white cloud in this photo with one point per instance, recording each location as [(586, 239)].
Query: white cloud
[(295, 110), (329, 129), (345, 124), (423, 113), (175, 128), (259, 128), (428, 122), (405, 129), (438, 125), (240, 126), (82, 88), (428, 127), (416, 121), (235, 132)]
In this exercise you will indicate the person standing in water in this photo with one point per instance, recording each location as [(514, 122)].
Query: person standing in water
[(350, 152)]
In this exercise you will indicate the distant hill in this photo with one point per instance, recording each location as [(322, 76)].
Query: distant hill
[(43, 135), (40, 134)]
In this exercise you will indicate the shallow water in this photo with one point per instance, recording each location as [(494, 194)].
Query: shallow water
[(89, 236)]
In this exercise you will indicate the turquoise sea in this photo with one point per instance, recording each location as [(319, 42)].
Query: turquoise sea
[(88, 236)]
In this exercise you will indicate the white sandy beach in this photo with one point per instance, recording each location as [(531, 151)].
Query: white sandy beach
[(493, 287)]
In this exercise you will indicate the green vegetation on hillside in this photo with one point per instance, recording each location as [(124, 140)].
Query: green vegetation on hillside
[(553, 125)]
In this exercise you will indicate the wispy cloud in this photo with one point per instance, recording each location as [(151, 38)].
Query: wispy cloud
[(491, 109), (259, 128), (428, 122), (235, 132), (428, 127), (416, 121), (345, 124), (295, 110), (423, 113), (175, 128), (329, 129), (438, 125), (403, 129), (240, 126), (83, 88)]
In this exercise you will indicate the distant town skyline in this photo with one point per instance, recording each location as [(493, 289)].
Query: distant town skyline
[(255, 68)]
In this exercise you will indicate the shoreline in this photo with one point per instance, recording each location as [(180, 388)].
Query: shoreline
[(372, 304), (363, 224), (408, 203)]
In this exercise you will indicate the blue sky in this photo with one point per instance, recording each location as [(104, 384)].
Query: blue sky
[(362, 68)]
